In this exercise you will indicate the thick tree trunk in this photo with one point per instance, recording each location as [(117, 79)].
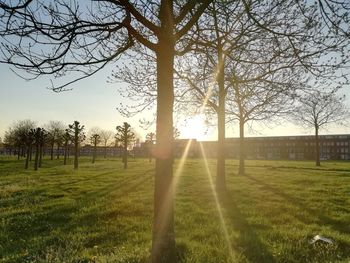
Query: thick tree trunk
[(317, 147), (220, 174), (241, 170), (163, 242)]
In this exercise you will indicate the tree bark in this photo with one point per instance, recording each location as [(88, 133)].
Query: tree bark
[(36, 160), (163, 242), (317, 147), (241, 170)]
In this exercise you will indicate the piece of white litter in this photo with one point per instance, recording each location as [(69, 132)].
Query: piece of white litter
[(321, 238)]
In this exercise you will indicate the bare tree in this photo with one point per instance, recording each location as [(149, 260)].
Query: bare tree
[(16, 136), (106, 136), (85, 38), (150, 140), (77, 132), (125, 136), (255, 99), (66, 143), (95, 140), (55, 131), (319, 109)]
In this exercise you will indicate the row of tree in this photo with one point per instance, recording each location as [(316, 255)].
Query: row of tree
[(220, 47), (25, 139)]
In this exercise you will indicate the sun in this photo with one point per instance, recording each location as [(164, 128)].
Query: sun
[(194, 127)]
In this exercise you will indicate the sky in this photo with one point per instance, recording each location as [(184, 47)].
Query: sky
[(93, 103)]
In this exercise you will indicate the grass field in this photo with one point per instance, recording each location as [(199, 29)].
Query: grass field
[(102, 213)]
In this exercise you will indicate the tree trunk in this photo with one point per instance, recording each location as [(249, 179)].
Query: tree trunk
[(30, 153), (27, 158), (105, 151), (94, 153), (241, 170), (220, 174), (125, 157), (65, 154), (52, 145), (36, 160), (19, 153), (58, 151), (163, 241), (317, 147)]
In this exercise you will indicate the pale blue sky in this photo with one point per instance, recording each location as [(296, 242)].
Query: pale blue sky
[(93, 102)]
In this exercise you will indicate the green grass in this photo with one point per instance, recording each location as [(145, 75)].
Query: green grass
[(102, 213)]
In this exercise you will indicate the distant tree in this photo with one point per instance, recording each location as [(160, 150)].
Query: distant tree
[(55, 131), (59, 37), (16, 136), (78, 136), (67, 138), (125, 136), (150, 140), (261, 100), (37, 141), (318, 109), (28, 138), (43, 136), (105, 135), (95, 140)]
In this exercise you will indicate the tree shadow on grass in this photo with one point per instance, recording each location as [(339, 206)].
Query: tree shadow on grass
[(33, 230), (340, 226), (248, 242), (318, 215)]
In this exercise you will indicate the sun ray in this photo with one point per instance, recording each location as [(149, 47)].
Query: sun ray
[(172, 190), (217, 203)]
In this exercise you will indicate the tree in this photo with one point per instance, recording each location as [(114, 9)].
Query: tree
[(67, 138), (106, 135), (28, 138), (78, 136), (95, 140), (319, 109), (125, 136), (272, 36), (55, 131), (16, 136), (150, 140), (260, 93), (85, 38), (43, 137), (37, 136)]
